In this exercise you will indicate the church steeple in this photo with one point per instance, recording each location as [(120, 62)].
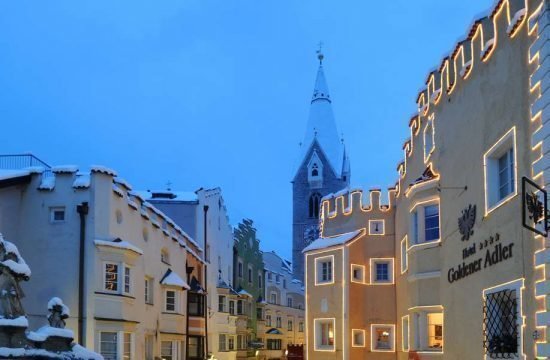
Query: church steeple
[(321, 126)]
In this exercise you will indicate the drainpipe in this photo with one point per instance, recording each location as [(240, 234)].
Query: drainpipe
[(189, 271), (205, 209), (82, 210)]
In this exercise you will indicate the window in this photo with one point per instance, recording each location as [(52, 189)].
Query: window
[(239, 307), (404, 255), (269, 276), (170, 304), (232, 307), (324, 334), (279, 322), (250, 275), (127, 280), (259, 313), (274, 344), (196, 304), (289, 301), (111, 277), (382, 337), (260, 281), (500, 171), (222, 342), (425, 223), (314, 170), (57, 214), (167, 350), (435, 331), (240, 268), (290, 325), (108, 345), (376, 227), (277, 279), (221, 303), (273, 297), (429, 138), (284, 283), (314, 205), (148, 290), (268, 320), (503, 321), (358, 338), (149, 346), (382, 271), (357, 273), (231, 343), (431, 222), (405, 332), (301, 326), (324, 270), (127, 351), (195, 346)]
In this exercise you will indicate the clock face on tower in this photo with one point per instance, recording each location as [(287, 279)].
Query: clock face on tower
[(311, 232)]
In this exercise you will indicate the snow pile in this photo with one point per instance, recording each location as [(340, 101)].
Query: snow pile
[(326, 242), (488, 46), (57, 301), (132, 203), (104, 170), (173, 279), (35, 169), (435, 96), (119, 244), (83, 353), (243, 292), (47, 183), (65, 169), (82, 181), (19, 267), (118, 190), (122, 182), (47, 331), (9, 174), (20, 321), (78, 352), (465, 68), (516, 20)]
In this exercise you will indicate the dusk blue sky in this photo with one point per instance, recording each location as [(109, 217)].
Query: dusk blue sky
[(208, 93)]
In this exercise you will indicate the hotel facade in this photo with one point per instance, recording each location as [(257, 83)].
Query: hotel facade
[(451, 262)]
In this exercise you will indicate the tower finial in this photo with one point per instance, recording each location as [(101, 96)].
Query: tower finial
[(320, 55)]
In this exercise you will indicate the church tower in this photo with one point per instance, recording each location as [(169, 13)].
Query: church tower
[(323, 168)]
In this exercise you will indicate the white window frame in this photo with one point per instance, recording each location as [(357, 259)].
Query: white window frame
[(176, 301), (391, 271), (418, 228), (149, 290), (361, 269), (175, 348), (53, 210), (373, 332), (429, 138), (129, 276), (319, 271), (121, 278), (419, 322), (289, 301), (120, 342), (372, 227), (405, 333), (363, 334), (491, 171), (517, 285), (271, 294), (404, 248), (317, 334)]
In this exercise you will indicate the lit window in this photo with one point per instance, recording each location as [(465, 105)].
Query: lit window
[(382, 271), (404, 255), (435, 331), (170, 301), (324, 334), (358, 337), (382, 337), (111, 277), (428, 324), (108, 345), (500, 171), (324, 270), (117, 278), (357, 273), (57, 214)]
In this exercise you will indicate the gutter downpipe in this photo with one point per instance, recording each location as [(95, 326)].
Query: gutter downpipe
[(205, 209), (82, 210)]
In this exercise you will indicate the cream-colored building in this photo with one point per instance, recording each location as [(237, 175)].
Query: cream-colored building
[(467, 272), (126, 271), (283, 320)]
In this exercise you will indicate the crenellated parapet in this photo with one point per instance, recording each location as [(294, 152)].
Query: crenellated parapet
[(353, 207), (503, 22)]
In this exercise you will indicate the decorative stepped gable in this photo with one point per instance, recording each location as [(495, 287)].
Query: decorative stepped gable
[(321, 128)]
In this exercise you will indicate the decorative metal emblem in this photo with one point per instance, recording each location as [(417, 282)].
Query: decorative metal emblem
[(466, 222), (534, 207)]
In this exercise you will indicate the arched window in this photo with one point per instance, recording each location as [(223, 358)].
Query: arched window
[(314, 205), (314, 170)]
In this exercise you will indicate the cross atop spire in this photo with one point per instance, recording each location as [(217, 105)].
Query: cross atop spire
[(320, 55)]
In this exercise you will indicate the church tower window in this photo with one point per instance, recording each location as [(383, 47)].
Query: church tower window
[(314, 205)]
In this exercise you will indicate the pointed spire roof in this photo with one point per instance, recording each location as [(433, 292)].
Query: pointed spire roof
[(321, 126)]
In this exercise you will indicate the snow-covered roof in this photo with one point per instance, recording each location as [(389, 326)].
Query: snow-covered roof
[(173, 279), (243, 292), (168, 195), (326, 242), (47, 183), (103, 169), (64, 169), (20, 321), (321, 127), (10, 174), (82, 181), (120, 244)]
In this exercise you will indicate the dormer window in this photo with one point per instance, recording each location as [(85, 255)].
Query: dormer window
[(315, 171)]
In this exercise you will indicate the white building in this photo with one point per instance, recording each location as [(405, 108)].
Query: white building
[(127, 285)]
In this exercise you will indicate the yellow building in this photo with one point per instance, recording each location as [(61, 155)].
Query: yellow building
[(460, 242)]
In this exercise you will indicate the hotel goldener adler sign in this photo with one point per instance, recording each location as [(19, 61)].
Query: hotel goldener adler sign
[(491, 249)]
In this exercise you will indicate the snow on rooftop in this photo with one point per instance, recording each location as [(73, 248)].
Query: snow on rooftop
[(243, 292), (326, 242), (46, 331), (103, 169), (64, 169), (82, 181), (47, 183), (119, 244), (168, 195), (20, 321), (122, 182), (10, 174), (173, 279)]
